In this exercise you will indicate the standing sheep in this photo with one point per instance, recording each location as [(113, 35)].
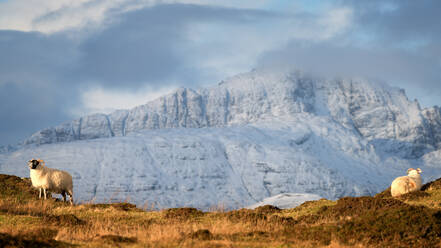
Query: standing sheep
[(406, 184), (45, 178)]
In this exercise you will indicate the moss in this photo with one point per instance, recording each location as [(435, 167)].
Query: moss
[(318, 235), (7, 240), (182, 213), (356, 206), (412, 196), (268, 209), (433, 185), (39, 234), (384, 194), (202, 234), (17, 188), (281, 220), (404, 226), (307, 208), (124, 206), (116, 239), (245, 215), (64, 220)]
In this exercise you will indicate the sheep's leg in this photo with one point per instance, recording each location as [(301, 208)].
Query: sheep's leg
[(63, 193), (44, 191), (40, 193), (70, 193)]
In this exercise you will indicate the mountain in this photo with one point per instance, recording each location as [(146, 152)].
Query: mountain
[(250, 137)]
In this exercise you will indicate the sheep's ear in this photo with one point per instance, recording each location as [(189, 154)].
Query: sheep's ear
[(419, 171), (409, 170)]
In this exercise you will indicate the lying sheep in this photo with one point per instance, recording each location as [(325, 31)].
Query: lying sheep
[(45, 178), (406, 184)]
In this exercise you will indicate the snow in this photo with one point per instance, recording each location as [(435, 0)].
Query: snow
[(253, 136), (286, 200)]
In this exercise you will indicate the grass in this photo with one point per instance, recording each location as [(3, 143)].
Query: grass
[(380, 221)]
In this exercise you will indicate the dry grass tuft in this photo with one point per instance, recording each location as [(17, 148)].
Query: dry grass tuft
[(64, 220), (7, 240), (268, 209), (202, 234), (434, 185), (116, 239), (182, 213), (124, 206)]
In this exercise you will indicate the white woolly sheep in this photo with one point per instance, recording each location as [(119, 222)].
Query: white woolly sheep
[(56, 181), (406, 184)]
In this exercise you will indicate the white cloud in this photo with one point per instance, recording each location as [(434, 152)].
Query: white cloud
[(50, 16), (238, 46), (19, 14), (56, 15), (100, 100), (336, 21)]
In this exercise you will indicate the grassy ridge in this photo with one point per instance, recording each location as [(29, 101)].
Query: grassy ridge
[(380, 221)]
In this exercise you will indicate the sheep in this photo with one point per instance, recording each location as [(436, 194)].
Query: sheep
[(406, 184), (45, 178)]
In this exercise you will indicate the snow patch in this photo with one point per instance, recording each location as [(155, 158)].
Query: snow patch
[(286, 200)]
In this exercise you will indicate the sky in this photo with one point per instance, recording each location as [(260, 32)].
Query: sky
[(62, 59)]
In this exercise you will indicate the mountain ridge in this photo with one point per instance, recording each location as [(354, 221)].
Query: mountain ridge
[(252, 136), (231, 103)]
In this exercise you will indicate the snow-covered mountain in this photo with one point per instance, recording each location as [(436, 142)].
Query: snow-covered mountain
[(250, 137)]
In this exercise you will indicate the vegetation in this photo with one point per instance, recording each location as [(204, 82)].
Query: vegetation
[(380, 221)]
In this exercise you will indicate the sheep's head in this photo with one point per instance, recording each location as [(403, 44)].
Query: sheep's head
[(414, 172), (34, 163)]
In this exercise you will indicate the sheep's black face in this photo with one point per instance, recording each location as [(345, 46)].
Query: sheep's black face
[(33, 164)]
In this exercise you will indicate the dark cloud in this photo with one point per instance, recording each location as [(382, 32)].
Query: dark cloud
[(31, 57), (400, 44), (32, 93), (41, 76), (148, 45), (399, 19), (414, 28), (327, 59), (27, 108)]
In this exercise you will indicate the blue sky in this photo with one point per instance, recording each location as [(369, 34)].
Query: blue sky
[(61, 59)]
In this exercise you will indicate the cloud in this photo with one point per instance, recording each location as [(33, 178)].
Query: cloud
[(396, 41), (32, 91), (95, 55), (46, 77), (59, 15), (330, 60), (399, 20), (101, 100)]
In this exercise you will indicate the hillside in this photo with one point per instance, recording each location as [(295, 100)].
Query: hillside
[(252, 136), (380, 221)]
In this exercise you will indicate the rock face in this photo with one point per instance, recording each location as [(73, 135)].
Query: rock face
[(252, 136), (379, 113)]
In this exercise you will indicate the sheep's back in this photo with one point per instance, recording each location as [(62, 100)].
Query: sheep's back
[(403, 185), (60, 181)]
